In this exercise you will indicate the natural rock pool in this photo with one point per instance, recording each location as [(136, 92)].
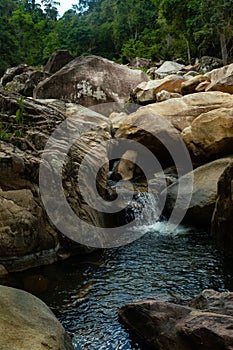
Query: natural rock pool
[(86, 294)]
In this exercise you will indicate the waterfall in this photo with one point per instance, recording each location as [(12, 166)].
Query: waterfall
[(144, 209)]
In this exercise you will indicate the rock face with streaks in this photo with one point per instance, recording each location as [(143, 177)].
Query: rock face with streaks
[(91, 80), (27, 236)]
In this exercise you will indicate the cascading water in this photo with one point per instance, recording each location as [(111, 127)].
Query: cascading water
[(143, 208)]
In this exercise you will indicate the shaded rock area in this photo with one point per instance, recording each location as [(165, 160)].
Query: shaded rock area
[(22, 79), (208, 63), (58, 60), (139, 62), (203, 192), (26, 323), (189, 86), (91, 80), (222, 220), (205, 324), (10, 73), (27, 236)]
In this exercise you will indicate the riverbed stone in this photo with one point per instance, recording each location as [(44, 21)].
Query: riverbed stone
[(178, 112), (26, 323), (206, 325), (151, 130), (126, 166), (213, 301)]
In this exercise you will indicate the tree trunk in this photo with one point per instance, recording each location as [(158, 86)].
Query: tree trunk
[(188, 51), (223, 48)]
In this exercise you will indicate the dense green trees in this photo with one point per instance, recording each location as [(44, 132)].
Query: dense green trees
[(116, 29)]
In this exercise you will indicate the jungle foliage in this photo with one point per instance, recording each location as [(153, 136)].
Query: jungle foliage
[(116, 29)]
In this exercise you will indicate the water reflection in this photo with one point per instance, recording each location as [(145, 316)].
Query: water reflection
[(85, 295)]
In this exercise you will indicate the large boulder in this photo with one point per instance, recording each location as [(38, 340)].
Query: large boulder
[(222, 220), (204, 192), (212, 301), (26, 323), (180, 112), (210, 135), (23, 228), (151, 130), (221, 79), (58, 60), (207, 325), (126, 167), (28, 237), (91, 80)]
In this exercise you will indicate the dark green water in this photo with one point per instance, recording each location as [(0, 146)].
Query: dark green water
[(85, 295)]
